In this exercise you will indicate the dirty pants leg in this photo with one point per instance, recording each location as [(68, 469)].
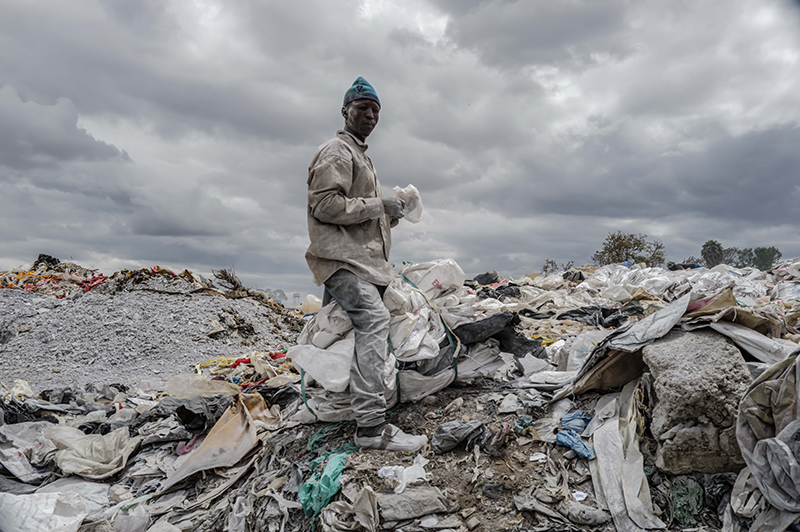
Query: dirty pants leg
[(363, 303)]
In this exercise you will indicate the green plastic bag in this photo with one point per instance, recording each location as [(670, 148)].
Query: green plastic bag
[(315, 494), (687, 500)]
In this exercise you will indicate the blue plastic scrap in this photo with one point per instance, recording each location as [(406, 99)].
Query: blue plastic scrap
[(576, 421), (571, 439), (574, 424)]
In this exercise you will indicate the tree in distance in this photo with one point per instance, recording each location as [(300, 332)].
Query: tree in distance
[(713, 254), (551, 266), (620, 247), (766, 258)]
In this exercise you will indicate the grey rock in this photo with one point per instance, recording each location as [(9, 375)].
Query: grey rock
[(698, 379)]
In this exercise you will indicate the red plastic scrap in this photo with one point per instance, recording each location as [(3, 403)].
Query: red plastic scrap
[(239, 362), (96, 280), (251, 384)]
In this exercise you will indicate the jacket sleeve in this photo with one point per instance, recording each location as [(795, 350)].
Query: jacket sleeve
[(329, 184)]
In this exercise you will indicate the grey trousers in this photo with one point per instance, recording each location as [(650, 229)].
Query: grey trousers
[(363, 303)]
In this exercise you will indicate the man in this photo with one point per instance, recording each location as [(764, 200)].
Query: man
[(349, 224)]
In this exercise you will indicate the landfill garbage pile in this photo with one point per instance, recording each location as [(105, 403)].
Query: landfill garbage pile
[(50, 276), (616, 398)]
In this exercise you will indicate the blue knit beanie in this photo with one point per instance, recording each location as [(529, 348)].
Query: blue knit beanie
[(360, 89)]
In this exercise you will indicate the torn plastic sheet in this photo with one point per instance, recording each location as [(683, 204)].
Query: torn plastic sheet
[(603, 316), (687, 500), (448, 436), (620, 465), (165, 430), (233, 436), (571, 439), (723, 306), (484, 329), (479, 361), (416, 501), (400, 297), (41, 511), (573, 425), (242, 507), (576, 421), (416, 336), (608, 366), (188, 385), (361, 515), (9, 485), (197, 414), (22, 444), (414, 386), (762, 347), (94, 494), (581, 348), (500, 327), (283, 506), (14, 411), (768, 431), (747, 502), (92, 456)]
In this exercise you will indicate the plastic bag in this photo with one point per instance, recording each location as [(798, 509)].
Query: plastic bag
[(687, 497), (413, 208), (330, 324), (329, 367), (436, 277), (241, 509), (310, 305), (315, 494), (398, 477), (448, 436)]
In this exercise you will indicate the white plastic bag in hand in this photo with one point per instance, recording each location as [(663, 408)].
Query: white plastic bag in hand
[(413, 209)]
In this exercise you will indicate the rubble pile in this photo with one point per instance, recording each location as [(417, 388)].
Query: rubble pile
[(141, 325), (616, 398)]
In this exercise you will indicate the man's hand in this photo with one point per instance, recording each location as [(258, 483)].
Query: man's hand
[(393, 207)]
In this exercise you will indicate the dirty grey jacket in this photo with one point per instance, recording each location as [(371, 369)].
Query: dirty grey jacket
[(347, 224)]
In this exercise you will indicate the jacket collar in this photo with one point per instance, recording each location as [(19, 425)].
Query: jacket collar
[(349, 137)]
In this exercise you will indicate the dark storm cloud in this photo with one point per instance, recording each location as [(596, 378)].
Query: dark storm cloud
[(513, 33), (727, 179), (532, 129), (34, 136), (132, 74)]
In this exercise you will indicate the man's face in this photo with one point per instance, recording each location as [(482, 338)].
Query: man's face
[(361, 117)]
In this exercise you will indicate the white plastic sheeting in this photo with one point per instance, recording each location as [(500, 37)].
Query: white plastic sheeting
[(92, 456)]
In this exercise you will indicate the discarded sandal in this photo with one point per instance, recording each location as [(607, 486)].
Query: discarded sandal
[(391, 439)]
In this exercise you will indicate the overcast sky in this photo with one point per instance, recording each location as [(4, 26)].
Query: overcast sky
[(179, 132)]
